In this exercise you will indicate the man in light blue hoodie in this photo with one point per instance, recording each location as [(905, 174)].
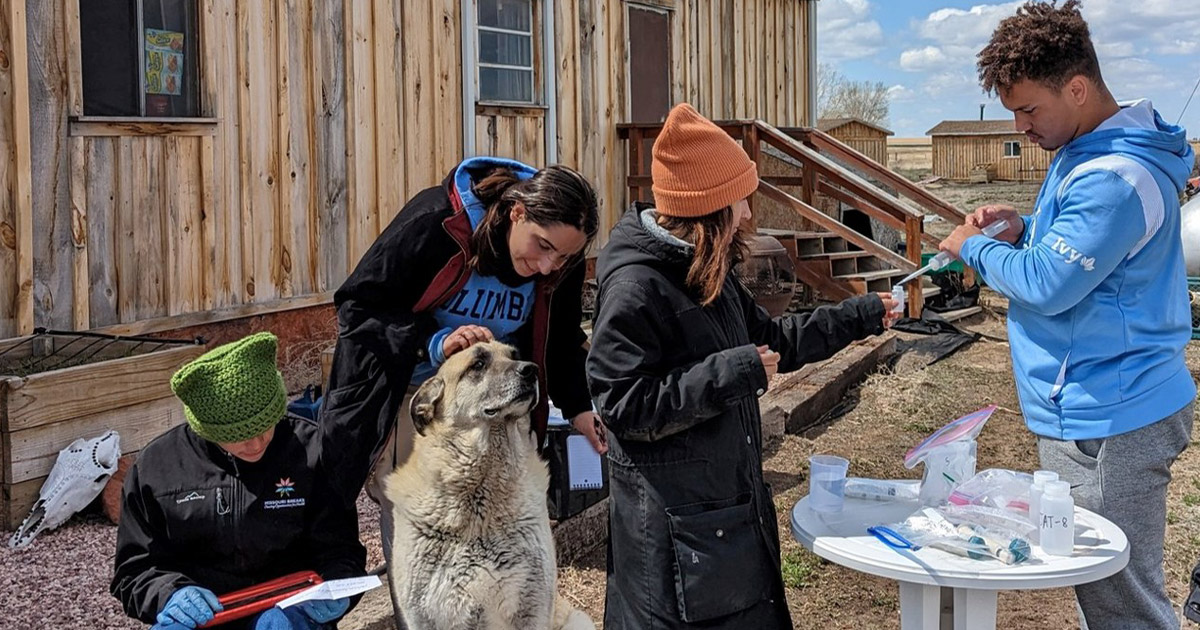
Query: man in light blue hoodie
[(1098, 311)]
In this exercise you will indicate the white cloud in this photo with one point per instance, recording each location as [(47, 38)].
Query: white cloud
[(920, 59), (1135, 77), (845, 30), (943, 85), (970, 28), (900, 93)]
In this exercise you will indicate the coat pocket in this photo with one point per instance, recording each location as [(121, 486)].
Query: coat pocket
[(721, 565)]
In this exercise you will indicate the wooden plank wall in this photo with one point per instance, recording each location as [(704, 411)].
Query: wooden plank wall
[(322, 118), (16, 204), (866, 140), (732, 59), (955, 156)]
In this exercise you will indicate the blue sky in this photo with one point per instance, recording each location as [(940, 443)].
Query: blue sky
[(924, 50)]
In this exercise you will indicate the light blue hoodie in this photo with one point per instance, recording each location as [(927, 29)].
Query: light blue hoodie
[(1098, 313), (483, 300)]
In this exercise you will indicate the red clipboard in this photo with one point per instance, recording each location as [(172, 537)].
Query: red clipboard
[(255, 599)]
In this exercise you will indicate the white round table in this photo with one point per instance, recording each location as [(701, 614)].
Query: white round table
[(939, 590)]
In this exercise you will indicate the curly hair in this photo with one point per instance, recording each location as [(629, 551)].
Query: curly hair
[(1043, 43)]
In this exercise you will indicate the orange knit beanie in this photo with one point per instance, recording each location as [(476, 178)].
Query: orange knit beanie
[(697, 168)]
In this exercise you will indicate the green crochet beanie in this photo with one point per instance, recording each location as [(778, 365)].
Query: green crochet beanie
[(233, 392)]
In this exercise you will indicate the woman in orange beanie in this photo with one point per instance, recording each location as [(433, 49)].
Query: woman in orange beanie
[(680, 354)]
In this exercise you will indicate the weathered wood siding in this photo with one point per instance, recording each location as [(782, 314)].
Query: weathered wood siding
[(319, 119), (730, 59), (867, 140), (955, 156)]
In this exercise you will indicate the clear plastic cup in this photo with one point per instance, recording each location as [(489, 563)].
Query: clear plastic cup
[(827, 482)]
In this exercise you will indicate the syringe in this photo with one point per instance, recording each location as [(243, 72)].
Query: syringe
[(943, 258)]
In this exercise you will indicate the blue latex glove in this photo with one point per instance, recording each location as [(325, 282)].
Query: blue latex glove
[(189, 607), (168, 626), (324, 610), (288, 619), (272, 619)]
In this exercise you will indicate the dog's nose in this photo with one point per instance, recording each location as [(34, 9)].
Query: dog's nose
[(528, 370)]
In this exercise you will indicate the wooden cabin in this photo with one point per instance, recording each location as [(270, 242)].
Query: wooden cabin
[(865, 137), (960, 146), (183, 162)]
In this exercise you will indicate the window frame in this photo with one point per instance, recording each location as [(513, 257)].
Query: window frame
[(536, 79), (1012, 149), (81, 124)]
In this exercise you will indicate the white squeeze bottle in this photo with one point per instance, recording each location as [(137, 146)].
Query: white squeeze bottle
[(1035, 494), (1058, 519), (899, 296)]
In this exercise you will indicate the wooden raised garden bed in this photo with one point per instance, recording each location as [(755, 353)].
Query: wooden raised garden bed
[(56, 387)]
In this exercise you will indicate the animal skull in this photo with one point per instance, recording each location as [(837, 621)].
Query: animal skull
[(79, 474)]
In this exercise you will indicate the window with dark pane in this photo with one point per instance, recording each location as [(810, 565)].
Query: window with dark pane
[(1012, 148), (506, 51), (140, 57)]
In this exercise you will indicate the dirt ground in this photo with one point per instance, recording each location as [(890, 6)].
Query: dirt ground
[(895, 409)]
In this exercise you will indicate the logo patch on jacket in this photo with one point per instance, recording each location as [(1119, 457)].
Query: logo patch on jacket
[(1072, 255), (284, 489), (191, 496)]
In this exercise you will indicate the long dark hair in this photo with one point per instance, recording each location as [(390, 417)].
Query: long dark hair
[(555, 194), (719, 246)]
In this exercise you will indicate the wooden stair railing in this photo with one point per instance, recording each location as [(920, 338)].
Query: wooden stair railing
[(819, 175)]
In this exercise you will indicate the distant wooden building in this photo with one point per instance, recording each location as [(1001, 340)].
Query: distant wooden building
[(959, 146), (910, 154), (866, 138), (170, 163)]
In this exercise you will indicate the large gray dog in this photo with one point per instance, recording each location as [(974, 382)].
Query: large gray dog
[(472, 546)]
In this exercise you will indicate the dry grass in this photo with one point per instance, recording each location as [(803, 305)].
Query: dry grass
[(895, 409)]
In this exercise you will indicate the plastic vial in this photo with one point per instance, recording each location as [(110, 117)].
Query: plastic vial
[(899, 296), (1035, 494), (1057, 527)]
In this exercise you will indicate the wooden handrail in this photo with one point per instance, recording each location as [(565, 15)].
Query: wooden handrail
[(831, 170), (828, 144), (835, 226)]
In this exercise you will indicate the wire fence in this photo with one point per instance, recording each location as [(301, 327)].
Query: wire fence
[(49, 350)]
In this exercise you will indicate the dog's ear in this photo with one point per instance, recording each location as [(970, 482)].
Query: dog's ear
[(424, 403)]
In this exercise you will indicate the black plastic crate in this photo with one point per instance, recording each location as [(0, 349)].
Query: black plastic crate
[(562, 501)]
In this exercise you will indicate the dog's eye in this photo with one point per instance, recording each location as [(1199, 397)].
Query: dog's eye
[(478, 365), (491, 412)]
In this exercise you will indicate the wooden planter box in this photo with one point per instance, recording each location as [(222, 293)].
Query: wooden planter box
[(55, 388)]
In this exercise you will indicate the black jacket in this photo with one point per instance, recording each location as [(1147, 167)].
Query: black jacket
[(385, 322), (693, 534), (193, 514)]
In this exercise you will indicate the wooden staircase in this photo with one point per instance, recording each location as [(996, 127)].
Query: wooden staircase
[(834, 260)]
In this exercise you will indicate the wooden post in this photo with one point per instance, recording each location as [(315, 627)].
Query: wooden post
[(913, 227), (635, 164), (22, 142), (754, 150)]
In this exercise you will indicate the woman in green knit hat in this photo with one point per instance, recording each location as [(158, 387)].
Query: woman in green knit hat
[(231, 499)]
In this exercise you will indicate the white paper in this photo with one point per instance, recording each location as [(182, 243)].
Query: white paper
[(583, 464), (333, 589)]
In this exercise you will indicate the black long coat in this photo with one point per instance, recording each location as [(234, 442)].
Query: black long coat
[(694, 540)]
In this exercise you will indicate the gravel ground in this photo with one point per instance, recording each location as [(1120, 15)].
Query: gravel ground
[(61, 580)]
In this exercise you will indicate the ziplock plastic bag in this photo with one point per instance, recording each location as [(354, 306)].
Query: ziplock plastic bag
[(946, 467), (964, 428), (990, 517), (882, 489), (995, 487), (930, 528)]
